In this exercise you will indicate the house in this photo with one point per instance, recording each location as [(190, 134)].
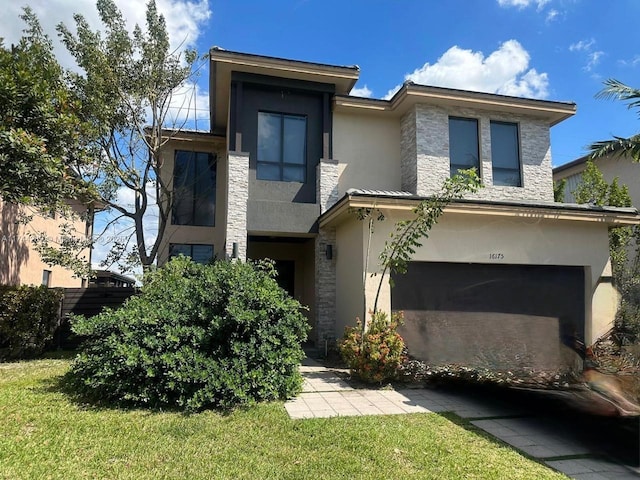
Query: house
[(291, 155), (106, 278), (623, 167), (20, 263)]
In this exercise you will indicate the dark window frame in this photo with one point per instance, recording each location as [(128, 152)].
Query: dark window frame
[(455, 167), (191, 245), (281, 163), (516, 170), (192, 219)]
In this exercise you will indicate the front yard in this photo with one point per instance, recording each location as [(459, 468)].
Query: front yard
[(44, 434)]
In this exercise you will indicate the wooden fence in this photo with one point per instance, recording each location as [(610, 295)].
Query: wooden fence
[(88, 302)]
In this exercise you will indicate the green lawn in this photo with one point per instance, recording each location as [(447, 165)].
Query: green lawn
[(44, 434)]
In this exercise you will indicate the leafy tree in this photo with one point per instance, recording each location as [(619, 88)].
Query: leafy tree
[(42, 136), (558, 190), (125, 91), (594, 189), (617, 90)]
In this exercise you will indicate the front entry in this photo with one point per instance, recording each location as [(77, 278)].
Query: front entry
[(294, 261)]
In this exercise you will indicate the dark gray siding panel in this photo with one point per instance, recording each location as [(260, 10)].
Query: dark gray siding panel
[(492, 316)]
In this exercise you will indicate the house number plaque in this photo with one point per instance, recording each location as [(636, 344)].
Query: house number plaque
[(496, 256)]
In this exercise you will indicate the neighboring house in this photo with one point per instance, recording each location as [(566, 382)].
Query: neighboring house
[(105, 278), (611, 166), (291, 154), (20, 263)]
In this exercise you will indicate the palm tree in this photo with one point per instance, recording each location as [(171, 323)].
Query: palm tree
[(617, 90)]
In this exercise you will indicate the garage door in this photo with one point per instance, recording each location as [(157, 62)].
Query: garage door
[(491, 316)]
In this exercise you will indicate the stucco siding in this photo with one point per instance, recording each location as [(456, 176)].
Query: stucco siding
[(187, 234), (20, 263), (350, 249), (367, 149)]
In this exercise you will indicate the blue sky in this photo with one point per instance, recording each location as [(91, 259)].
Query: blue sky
[(549, 49)]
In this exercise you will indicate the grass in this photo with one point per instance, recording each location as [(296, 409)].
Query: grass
[(44, 434)]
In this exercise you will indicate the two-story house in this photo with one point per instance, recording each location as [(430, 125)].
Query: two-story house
[(291, 155)]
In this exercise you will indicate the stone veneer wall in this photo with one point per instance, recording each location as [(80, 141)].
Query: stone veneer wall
[(428, 128), (408, 152), (237, 198)]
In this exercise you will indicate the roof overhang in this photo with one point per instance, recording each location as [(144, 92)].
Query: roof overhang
[(224, 62), (411, 94), (611, 216)]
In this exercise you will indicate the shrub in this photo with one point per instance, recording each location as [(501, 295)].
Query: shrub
[(198, 336), (28, 320), (378, 356)]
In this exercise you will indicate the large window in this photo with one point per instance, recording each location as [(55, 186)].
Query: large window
[(198, 253), (505, 154), (282, 147), (463, 144), (194, 187)]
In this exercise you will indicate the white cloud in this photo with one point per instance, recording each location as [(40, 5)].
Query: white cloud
[(361, 92), (630, 63), (523, 3), (552, 15), (582, 45), (587, 47), (505, 71), (594, 59), (189, 108)]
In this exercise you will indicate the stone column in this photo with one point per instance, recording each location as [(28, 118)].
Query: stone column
[(327, 184), (237, 198), (325, 287)]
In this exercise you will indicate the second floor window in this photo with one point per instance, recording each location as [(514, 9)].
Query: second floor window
[(463, 144), (194, 189), (505, 154), (282, 147)]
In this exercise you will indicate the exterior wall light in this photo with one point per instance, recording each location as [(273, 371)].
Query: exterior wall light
[(328, 252)]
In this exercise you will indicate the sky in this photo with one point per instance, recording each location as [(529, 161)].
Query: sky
[(548, 49)]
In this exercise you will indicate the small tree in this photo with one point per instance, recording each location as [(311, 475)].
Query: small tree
[(373, 349), (409, 234)]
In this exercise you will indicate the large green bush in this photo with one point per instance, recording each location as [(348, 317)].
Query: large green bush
[(28, 320), (198, 336)]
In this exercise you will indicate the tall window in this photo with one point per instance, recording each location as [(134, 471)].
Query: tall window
[(198, 253), (194, 186), (463, 144), (505, 154), (282, 147)]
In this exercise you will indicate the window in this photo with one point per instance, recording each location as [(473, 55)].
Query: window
[(46, 277), (194, 186), (198, 253), (505, 154), (282, 147), (463, 144)]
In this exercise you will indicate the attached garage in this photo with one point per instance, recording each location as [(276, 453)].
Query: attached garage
[(491, 315)]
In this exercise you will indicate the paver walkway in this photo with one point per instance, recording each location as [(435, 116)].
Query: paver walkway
[(325, 394)]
